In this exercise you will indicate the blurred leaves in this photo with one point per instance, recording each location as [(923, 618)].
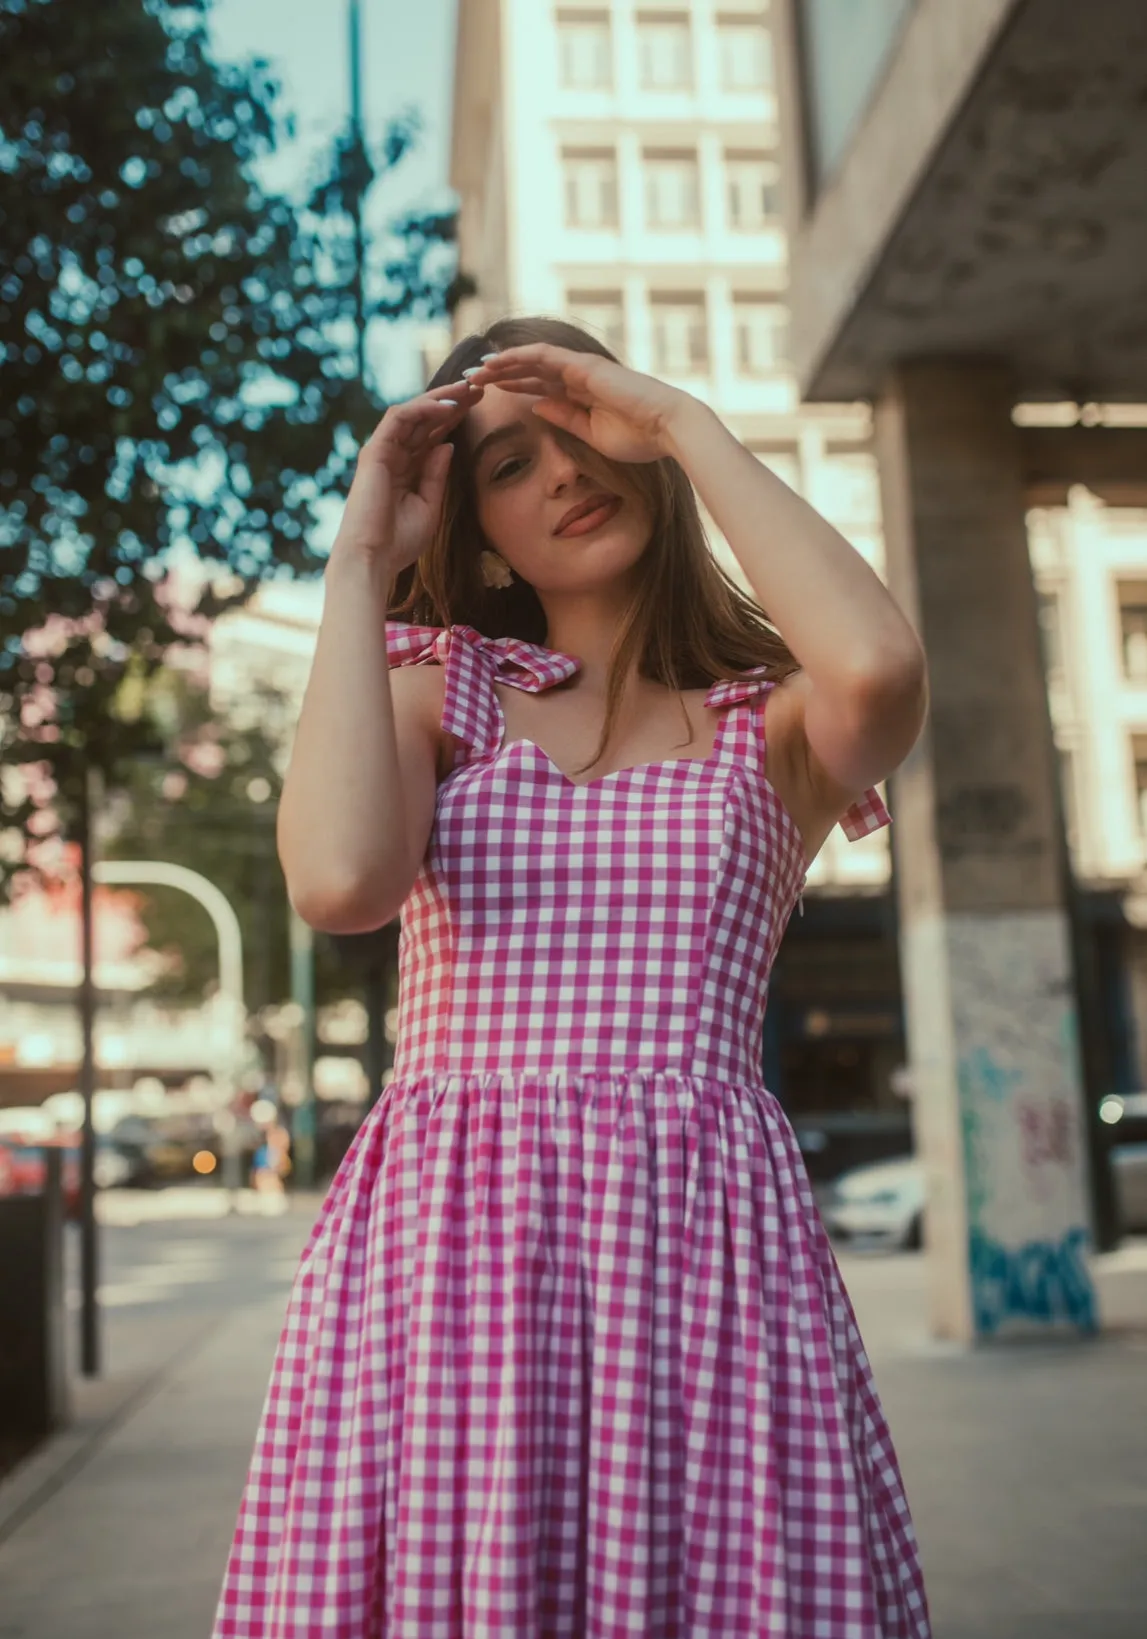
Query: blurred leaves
[(210, 805), (177, 367)]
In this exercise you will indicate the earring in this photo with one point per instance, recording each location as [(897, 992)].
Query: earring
[(495, 570)]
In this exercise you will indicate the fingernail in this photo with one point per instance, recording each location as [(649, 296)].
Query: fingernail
[(486, 357), (474, 370), (452, 403)]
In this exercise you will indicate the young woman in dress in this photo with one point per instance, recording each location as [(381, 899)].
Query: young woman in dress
[(568, 1355)]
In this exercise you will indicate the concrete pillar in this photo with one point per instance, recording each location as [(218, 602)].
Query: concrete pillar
[(985, 946)]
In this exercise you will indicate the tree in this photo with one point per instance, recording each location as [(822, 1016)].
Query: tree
[(175, 371), (209, 805)]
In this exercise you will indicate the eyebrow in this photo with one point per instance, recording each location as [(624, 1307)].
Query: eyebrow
[(499, 435)]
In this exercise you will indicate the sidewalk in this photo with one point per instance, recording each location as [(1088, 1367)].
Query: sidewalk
[(1025, 1464), (1026, 1468)]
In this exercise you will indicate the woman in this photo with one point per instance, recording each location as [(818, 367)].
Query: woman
[(568, 1353)]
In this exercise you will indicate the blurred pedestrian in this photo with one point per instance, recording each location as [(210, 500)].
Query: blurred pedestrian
[(272, 1162), (569, 1352)]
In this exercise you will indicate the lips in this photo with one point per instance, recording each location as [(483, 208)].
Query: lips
[(602, 503)]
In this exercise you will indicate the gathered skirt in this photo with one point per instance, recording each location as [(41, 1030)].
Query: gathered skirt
[(569, 1357)]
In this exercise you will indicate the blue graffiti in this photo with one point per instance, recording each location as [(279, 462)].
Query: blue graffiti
[(981, 1069), (1042, 1281)]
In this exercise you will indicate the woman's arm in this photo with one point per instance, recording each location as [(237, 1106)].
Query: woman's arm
[(861, 695), (358, 800), (854, 710)]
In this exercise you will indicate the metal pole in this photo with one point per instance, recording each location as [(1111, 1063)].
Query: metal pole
[(358, 145), (303, 994), (89, 1243), (160, 873)]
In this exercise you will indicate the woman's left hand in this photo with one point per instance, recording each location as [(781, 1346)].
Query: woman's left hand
[(622, 414)]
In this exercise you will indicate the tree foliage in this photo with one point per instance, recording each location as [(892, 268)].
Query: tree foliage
[(176, 369), (210, 806)]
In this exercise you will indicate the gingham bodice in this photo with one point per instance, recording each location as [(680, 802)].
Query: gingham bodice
[(629, 923)]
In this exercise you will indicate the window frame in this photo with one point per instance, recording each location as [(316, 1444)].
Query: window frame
[(779, 317), (735, 162), (651, 158), (700, 359), (570, 154), (725, 24), (579, 298), (652, 17), (567, 18)]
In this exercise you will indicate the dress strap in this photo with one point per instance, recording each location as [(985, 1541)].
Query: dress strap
[(753, 689), (474, 662)]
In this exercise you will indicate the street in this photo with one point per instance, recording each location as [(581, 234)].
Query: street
[(1026, 1466)]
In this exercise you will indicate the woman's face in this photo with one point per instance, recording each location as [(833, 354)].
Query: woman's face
[(555, 525)]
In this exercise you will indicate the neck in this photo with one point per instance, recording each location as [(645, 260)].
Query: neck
[(587, 629)]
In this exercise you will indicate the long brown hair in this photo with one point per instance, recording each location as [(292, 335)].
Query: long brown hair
[(689, 623)]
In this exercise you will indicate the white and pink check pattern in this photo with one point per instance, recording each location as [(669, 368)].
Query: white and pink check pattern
[(568, 1355)]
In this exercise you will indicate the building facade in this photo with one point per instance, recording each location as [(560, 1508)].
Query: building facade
[(968, 242), (619, 165)]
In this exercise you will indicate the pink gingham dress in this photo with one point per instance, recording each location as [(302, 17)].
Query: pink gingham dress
[(568, 1355)]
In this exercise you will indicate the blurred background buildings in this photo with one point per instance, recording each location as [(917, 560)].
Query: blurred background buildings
[(643, 170), (624, 165)]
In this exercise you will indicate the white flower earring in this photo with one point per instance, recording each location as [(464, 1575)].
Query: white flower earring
[(495, 570)]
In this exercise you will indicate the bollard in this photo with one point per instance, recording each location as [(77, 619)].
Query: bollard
[(34, 1398)]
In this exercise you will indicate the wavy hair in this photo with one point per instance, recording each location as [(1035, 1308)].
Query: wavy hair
[(688, 624)]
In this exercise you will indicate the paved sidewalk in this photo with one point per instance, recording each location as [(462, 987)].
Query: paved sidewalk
[(1025, 1464), (1026, 1468)]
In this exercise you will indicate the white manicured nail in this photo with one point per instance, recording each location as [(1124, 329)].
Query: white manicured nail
[(486, 357), (473, 371), (451, 403)]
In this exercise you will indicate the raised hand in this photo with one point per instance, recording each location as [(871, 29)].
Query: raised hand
[(396, 498), (621, 413)]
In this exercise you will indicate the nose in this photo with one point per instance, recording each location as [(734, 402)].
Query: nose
[(562, 468)]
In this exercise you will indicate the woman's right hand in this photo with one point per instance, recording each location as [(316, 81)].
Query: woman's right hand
[(395, 500)]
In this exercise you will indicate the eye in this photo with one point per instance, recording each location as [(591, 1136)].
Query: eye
[(506, 470)]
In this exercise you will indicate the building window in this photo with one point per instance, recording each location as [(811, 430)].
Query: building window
[(589, 178), (664, 51), (746, 54), (672, 188), (1139, 753), (585, 55), (1051, 632), (752, 190), (680, 334), (602, 313), (848, 490), (1065, 766), (1133, 629), (782, 459), (760, 327)]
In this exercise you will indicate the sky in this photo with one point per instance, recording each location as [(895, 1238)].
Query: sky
[(408, 52)]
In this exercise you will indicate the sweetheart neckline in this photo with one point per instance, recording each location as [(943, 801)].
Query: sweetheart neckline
[(661, 762), (631, 768)]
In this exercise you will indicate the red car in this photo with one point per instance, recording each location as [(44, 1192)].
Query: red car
[(23, 1168)]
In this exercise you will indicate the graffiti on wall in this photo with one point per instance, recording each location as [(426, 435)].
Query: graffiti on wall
[(1042, 1280), (1020, 1122)]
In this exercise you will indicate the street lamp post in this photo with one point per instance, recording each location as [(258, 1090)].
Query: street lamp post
[(144, 873), (89, 1237), (130, 873)]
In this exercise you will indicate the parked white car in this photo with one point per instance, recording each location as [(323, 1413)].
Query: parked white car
[(882, 1203)]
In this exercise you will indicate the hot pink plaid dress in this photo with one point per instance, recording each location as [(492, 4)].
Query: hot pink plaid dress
[(568, 1355)]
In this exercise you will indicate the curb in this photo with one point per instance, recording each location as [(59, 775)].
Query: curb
[(102, 1407)]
